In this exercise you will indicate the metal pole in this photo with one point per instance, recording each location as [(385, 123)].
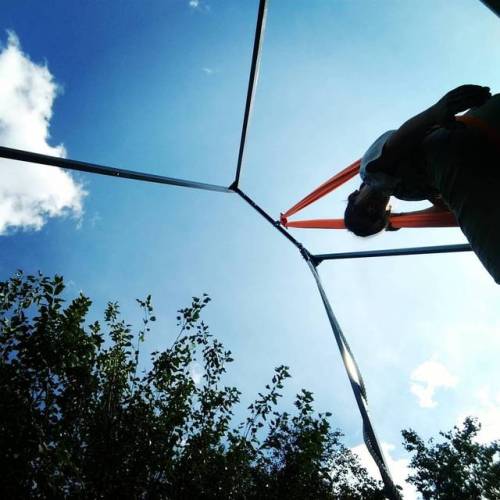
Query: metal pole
[(359, 390), (464, 247), (274, 223), (252, 83), (54, 161)]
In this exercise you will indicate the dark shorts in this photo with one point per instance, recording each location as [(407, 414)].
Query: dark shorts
[(465, 168)]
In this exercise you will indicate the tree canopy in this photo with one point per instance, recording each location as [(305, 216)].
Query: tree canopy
[(456, 467), (80, 417)]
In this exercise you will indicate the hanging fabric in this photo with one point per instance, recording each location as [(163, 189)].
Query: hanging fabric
[(438, 218)]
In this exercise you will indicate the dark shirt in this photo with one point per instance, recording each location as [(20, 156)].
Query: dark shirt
[(407, 181)]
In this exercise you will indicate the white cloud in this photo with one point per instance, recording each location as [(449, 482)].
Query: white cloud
[(487, 411), (428, 377), (399, 469), (29, 194), (194, 4), (207, 71)]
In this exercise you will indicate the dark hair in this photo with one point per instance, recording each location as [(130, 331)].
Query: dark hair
[(359, 221)]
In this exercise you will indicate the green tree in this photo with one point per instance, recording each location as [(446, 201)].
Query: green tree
[(458, 467), (77, 419)]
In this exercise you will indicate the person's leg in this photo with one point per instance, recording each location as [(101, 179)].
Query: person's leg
[(465, 169)]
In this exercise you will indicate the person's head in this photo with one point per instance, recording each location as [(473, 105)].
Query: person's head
[(366, 212)]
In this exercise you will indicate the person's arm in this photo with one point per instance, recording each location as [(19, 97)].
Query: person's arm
[(429, 210), (413, 131)]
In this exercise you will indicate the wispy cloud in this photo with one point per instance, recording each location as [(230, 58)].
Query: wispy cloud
[(199, 5), (95, 219), (30, 194), (428, 377), (208, 71), (399, 468)]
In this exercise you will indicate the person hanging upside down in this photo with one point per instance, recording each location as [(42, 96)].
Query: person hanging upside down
[(455, 164)]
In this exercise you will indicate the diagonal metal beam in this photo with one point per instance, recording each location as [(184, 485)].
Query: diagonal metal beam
[(274, 223), (464, 247), (359, 391), (350, 364), (493, 5), (252, 83), (81, 166)]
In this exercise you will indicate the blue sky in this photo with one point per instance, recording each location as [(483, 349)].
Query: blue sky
[(160, 87)]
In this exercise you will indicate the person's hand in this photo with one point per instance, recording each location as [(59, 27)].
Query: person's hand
[(390, 227), (457, 100)]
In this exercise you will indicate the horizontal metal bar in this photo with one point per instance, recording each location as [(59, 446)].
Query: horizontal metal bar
[(54, 161), (465, 247)]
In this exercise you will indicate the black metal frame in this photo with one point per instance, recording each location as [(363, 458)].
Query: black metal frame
[(312, 260)]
